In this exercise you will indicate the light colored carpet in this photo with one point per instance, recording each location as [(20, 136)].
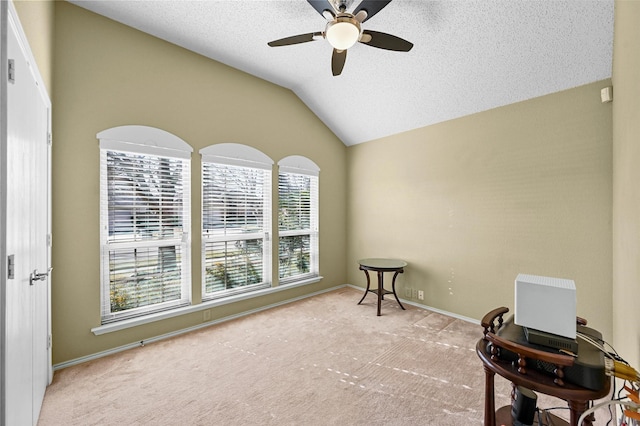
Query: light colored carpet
[(320, 361)]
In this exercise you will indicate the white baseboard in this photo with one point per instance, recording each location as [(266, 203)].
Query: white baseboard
[(428, 308)]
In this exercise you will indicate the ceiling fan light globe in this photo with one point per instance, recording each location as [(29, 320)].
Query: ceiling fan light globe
[(342, 33)]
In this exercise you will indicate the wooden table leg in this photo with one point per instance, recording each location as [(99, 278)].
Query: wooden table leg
[(380, 289), (368, 283), (577, 408), (489, 398), (393, 287)]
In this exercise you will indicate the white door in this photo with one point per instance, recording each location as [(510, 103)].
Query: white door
[(26, 344), (40, 250)]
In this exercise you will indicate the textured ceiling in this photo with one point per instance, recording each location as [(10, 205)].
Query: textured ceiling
[(468, 56)]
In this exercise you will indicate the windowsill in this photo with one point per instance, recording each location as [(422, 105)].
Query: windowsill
[(158, 316)]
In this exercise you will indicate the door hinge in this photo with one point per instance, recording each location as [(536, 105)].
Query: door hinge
[(49, 342), (48, 240), (49, 138), (12, 71), (11, 267)]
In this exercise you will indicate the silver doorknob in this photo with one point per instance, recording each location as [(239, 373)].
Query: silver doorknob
[(38, 276)]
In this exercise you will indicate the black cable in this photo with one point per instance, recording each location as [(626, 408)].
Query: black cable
[(610, 406), (556, 408), (547, 415), (539, 416), (620, 397), (613, 392)]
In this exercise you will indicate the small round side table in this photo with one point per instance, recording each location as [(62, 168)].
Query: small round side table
[(380, 266)]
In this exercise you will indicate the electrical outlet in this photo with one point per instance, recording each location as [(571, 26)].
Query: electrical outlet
[(206, 315), (407, 292), (420, 295), (414, 293)]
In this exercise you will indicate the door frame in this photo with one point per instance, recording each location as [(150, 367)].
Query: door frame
[(3, 198), (9, 19)]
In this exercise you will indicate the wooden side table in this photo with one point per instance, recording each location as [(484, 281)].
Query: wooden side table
[(520, 374), (380, 266)]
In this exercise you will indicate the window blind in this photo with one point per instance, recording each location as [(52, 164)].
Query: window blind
[(145, 216), (236, 221), (297, 226), (145, 197)]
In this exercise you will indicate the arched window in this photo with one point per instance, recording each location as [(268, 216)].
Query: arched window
[(298, 257), (236, 220), (145, 211)]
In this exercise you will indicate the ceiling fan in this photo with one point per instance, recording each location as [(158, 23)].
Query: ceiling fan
[(344, 29)]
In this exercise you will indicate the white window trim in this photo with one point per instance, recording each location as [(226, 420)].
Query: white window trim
[(236, 154), (144, 140), (149, 141), (298, 164)]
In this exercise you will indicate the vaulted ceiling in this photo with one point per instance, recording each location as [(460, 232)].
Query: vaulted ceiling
[(468, 56)]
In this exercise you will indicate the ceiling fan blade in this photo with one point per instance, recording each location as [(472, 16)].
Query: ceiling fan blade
[(296, 39), (371, 7), (321, 6), (337, 61), (385, 41)]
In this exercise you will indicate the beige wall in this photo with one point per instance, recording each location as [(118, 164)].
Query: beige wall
[(626, 181), (37, 18), (472, 202), (109, 75)]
